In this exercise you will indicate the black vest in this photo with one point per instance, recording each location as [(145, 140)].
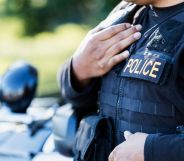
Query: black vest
[(145, 94)]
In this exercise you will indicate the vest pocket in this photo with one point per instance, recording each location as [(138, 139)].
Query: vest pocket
[(94, 140)]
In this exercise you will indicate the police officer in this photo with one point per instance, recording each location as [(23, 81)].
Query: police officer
[(139, 84)]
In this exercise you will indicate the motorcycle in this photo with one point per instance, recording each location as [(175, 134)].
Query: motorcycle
[(35, 135), (36, 129)]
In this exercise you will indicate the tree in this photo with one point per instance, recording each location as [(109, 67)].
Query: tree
[(41, 15)]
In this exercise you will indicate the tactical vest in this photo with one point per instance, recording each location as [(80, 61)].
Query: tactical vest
[(142, 94)]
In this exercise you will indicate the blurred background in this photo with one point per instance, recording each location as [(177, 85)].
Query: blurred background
[(46, 33)]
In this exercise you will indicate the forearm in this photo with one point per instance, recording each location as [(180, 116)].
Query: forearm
[(76, 81), (80, 98)]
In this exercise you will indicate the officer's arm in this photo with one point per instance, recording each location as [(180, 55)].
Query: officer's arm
[(160, 147), (73, 91), (98, 53), (86, 97)]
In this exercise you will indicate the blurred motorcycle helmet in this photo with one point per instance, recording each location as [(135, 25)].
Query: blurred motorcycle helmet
[(18, 86)]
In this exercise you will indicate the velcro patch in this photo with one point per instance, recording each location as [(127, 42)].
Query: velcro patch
[(146, 68)]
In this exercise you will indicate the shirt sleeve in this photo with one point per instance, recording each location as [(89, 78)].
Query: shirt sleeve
[(159, 147), (83, 99)]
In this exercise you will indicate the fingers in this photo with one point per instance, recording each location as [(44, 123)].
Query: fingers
[(123, 34), (111, 156), (121, 45), (114, 60), (106, 47), (114, 44), (118, 47), (111, 31), (117, 59), (127, 134)]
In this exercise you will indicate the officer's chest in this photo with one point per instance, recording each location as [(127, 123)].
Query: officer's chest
[(149, 71), (153, 57)]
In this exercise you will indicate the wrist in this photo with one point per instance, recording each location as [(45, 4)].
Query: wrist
[(79, 75)]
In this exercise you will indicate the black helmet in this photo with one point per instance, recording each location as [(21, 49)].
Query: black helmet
[(18, 86)]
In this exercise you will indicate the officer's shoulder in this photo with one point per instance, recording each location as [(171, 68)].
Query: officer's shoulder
[(121, 6), (176, 25), (123, 12)]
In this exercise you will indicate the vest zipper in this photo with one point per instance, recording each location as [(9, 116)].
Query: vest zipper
[(120, 92)]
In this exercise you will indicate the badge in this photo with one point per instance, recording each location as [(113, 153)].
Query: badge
[(145, 68)]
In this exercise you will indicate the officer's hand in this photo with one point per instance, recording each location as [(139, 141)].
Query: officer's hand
[(130, 150), (98, 52)]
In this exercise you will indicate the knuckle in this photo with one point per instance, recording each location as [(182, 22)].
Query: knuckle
[(100, 48), (112, 30), (124, 25), (137, 133), (94, 49), (122, 35), (99, 51), (119, 47), (119, 37), (131, 31), (125, 34), (92, 41), (94, 38), (96, 56)]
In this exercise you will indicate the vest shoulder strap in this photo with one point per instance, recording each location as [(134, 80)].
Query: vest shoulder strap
[(124, 12)]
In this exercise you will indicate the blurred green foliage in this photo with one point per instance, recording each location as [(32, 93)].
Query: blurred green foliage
[(41, 15), (45, 33), (47, 51)]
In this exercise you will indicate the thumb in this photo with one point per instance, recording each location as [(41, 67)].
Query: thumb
[(127, 134)]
